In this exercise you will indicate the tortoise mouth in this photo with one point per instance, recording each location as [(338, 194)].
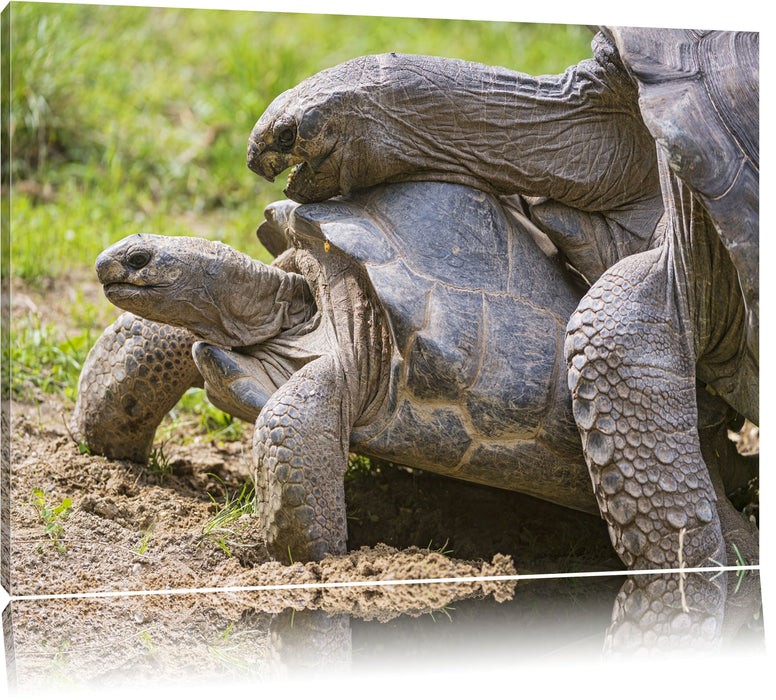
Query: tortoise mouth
[(301, 174), (269, 163), (310, 180), (294, 171), (123, 291), (313, 181)]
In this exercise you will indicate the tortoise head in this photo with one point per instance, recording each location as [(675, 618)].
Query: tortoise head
[(207, 287), (574, 138), (303, 128), (290, 135), (366, 121)]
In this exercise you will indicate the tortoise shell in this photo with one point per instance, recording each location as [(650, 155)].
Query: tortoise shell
[(477, 314)]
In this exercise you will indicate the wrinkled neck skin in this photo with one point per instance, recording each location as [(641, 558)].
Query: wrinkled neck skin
[(575, 138), (258, 302)]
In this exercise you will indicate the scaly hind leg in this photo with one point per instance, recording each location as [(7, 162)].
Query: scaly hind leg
[(301, 444), (631, 371), (135, 373)]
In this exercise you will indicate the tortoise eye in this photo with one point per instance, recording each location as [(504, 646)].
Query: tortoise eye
[(286, 136), (138, 259)]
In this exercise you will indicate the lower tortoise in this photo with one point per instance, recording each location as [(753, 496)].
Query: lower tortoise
[(426, 350)]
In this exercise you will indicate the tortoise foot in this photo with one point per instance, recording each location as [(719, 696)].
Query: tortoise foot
[(135, 373), (668, 612)]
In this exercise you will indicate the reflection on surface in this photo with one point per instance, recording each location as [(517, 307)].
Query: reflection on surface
[(187, 639), (667, 612)]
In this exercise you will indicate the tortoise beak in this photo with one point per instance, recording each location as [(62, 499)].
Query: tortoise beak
[(268, 162), (256, 163), (108, 268)]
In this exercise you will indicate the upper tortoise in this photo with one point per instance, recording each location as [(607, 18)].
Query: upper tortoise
[(642, 166)]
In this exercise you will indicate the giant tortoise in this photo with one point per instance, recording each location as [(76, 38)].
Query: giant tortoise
[(419, 323), (667, 234)]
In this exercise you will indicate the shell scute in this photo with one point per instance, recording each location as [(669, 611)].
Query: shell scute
[(445, 356), (361, 240), (404, 296), (652, 59), (452, 234), (515, 385)]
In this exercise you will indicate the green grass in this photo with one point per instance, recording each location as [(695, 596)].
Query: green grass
[(159, 463), (145, 540), (44, 359), (220, 529), (135, 119), (195, 414)]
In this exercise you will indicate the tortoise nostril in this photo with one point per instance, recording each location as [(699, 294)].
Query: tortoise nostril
[(255, 149), (102, 265), (138, 259)]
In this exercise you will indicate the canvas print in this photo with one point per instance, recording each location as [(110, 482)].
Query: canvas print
[(346, 320)]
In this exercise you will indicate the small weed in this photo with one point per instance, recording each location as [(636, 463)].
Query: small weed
[(225, 634), (740, 561), (222, 649), (440, 550), (159, 463), (742, 572), (148, 645), (52, 518), (60, 661), (145, 540), (218, 529), (444, 610)]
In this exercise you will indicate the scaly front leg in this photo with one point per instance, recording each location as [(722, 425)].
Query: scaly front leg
[(300, 444), (135, 373)]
